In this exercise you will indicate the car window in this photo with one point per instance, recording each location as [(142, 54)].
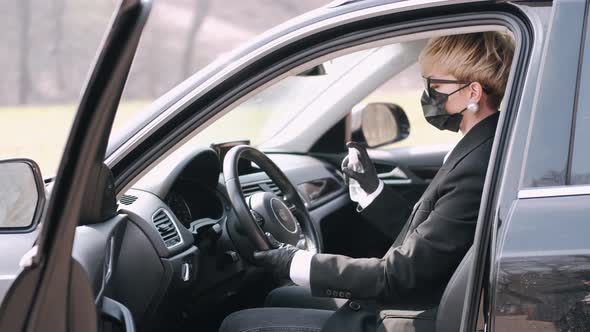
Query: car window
[(47, 49), (580, 157), (288, 105), (405, 90), (547, 157), (298, 109)]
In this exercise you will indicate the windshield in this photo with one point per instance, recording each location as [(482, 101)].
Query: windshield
[(264, 115), (288, 112)]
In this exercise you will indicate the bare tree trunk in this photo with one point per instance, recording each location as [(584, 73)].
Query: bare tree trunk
[(25, 78), (199, 14), (59, 9)]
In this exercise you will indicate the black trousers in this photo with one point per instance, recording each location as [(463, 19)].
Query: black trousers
[(287, 309)]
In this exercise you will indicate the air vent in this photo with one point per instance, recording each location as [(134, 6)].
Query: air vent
[(127, 199), (268, 186), (274, 188), (167, 229), (250, 189)]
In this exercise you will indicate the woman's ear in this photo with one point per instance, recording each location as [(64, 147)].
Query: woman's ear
[(475, 92)]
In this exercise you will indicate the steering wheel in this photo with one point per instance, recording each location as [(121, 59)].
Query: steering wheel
[(287, 218)]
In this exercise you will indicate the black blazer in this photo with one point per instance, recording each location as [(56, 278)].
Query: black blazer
[(440, 229)]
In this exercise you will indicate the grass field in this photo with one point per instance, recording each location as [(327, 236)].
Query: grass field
[(40, 132)]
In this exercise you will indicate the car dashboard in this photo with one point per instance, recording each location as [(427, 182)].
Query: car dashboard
[(177, 247)]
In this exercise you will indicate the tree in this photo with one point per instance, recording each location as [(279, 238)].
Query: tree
[(24, 85), (199, 13)]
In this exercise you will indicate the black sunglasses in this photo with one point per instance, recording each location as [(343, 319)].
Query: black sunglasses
[(428, 81)]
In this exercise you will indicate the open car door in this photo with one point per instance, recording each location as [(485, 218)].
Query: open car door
[(52, 291)]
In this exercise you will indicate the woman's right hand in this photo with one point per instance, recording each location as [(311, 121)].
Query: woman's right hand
[(367, 179)]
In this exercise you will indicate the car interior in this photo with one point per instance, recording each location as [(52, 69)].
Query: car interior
[(178, 253)]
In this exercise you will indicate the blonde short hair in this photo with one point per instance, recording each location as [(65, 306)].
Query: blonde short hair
[(483, 57)]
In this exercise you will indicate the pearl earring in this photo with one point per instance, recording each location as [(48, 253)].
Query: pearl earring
[(472, 107)]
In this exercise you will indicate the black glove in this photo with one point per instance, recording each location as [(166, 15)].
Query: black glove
[(277, 260), (368, 180)]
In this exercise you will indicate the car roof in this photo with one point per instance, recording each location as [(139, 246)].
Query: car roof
[(369, 3), (341, 3)]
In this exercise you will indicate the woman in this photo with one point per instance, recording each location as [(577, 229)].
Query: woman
[(465, 78), (464, 73)]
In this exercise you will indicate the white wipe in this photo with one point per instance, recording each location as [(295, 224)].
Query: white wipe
[(355, 190)]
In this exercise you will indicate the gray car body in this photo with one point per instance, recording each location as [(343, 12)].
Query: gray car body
[(536, 218)]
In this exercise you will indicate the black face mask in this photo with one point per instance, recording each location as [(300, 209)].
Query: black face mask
[(433, 107)]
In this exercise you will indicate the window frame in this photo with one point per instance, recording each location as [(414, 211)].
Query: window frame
[(579, 111)]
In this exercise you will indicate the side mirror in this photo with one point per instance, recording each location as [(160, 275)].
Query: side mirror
[(378, 124), (22, 195)]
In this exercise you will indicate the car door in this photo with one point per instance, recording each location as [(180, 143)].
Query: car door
[(539, 249), (52, 291), (543, 256)]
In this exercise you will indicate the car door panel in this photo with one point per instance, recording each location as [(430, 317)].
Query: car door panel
[(412, 156), (409, 170), (540, 254), (544, 266), (117, 311)]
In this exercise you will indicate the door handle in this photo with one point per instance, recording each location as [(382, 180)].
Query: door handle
[(119, 312), (400, 175)]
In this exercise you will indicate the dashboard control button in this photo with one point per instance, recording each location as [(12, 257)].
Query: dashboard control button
[(227, 258), (232, 256), (185, 272), (215, 231), (257, 217)]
